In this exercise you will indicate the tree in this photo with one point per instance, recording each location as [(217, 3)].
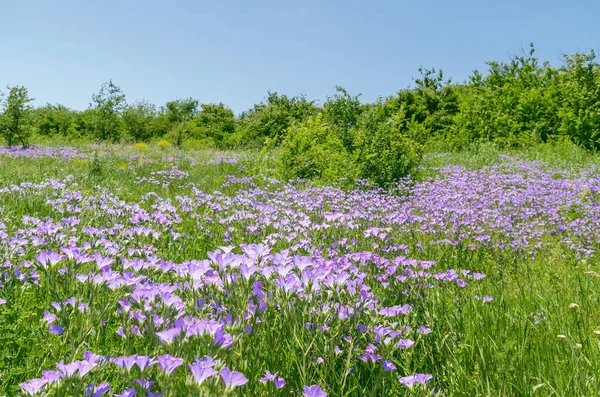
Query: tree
[(14, 120), (180, 115), (108, 105), (342, 112), (53, 119), (139, 121), (216, 122), (182, 110), (269, 121)]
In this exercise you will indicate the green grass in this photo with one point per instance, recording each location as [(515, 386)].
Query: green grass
[(513, 346)]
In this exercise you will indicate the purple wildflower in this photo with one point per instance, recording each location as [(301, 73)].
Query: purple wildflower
[(410, 380), (56, 329), (168, 335), (388, 365), (97, 391), (127, 393), (33, 386), (405, 343), (201, 373), (168, 363), (67, 369), (314, 391), (233, 378)]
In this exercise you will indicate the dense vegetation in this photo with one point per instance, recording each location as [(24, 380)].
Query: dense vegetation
[(516, 103), (134, 270)]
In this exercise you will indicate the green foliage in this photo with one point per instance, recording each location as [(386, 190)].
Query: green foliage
[(96, 168), (140, 121), (385, 152), (578, 83), (341, 112), (14, 120), (518, 103), (108, 106), (428, 110), (311, 150), (269, 121), (53, 120), (181, 110), (181, 132), (513, 105), (216, 123)]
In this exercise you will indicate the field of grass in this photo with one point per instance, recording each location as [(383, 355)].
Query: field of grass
[(137, 271)]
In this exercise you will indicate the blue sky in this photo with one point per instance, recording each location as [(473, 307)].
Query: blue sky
[(234, 51)]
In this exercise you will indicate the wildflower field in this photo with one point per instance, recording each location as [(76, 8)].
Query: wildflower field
[(130, 271)]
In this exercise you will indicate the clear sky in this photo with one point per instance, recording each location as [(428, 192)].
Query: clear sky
[(235, 51)]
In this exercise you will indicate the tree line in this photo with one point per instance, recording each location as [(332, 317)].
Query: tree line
[(515, 103)]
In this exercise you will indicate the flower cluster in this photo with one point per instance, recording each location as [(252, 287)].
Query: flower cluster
[(243, 275)]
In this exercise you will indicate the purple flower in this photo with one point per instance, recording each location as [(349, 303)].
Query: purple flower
[(233, 378), (405, 343), (84, 367), (46, 258), (207, 361), (146, 384), (51, 376), (369, 356), (201, 373), (279, 383), (56, 329), (127, 393), (67, 369), (168, 363), (269, 377), (94, 358), (424, 330), (33, 386), (97, 391), (314, 391), (168, 335), (144, 362), (2, 301), (388, 365), (410, 380), (125, 362)]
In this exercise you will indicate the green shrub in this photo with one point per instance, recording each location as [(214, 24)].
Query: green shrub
[(311, 150), (342, 111), (382, 152), (96, 167), (270, 120), (385, 153), (14, 119), (579, 86)]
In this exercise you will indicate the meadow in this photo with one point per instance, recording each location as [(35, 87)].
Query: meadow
[(136, 270)]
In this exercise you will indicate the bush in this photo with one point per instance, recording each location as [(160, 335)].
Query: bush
[(579, 85), (311, 150), (108, 106), (341, 112), (14, 120), (269, 121), (384, 152), (163, 144), (141, 146)]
